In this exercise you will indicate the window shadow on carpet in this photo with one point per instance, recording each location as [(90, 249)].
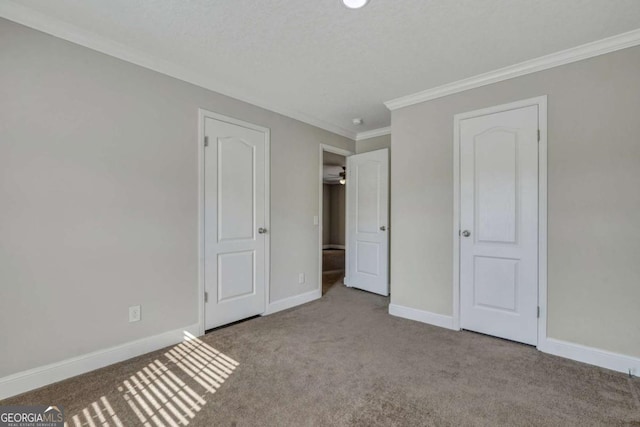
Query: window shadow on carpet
[(169, 391)]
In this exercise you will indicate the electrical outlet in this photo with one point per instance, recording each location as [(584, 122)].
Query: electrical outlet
[(134, 313), (301, 278), (316, 220)]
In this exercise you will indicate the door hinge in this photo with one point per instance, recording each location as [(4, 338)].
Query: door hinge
[(206, 297), (206, 141), (538, 135), (538, 312)]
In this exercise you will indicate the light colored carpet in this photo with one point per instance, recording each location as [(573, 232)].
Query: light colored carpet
[(330, 278), (333, 264), (342, 361)]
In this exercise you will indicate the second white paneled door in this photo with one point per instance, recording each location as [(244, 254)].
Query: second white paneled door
[(234, 220), (499, 224), (368, 221)]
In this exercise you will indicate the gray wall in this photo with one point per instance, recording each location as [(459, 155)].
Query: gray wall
[(334, 215), (338, 214), (326, 214), (593, 198), (372, 144), (99, 199)]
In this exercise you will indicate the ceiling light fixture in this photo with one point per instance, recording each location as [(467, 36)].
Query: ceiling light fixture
[(343, 176), (355, 4)]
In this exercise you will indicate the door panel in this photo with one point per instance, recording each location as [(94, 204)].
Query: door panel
[(367, 258), (367, 178), (235, 207), (236, 276), (496, 186), (368, 217), (236, 191), (496, 283), (499, 210)]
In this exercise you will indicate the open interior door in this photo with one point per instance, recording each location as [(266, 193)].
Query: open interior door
[(368, 221)]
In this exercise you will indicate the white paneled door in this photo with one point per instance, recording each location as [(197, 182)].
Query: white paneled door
[(368, 221), (499, 224), (234, 221)]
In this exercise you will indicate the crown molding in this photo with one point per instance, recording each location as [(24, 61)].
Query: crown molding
[(63, 30), (373, 133), (585, 51)]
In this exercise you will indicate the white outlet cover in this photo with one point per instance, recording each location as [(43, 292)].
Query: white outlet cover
[(134, 313), (316, 220), (301, 278)]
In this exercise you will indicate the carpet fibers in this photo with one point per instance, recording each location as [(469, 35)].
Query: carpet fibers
[(344, 361)]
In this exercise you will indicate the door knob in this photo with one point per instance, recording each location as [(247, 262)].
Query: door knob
[(466, 233), (383, 228), (262, 230)]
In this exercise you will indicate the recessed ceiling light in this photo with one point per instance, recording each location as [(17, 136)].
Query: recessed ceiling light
[(355, 4)]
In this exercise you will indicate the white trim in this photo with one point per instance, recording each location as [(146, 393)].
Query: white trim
[(541, 102), (345, 153), (26, 16), (333, 271), (202, 115), (334, 247), (293, 301), (360, 136), (201, 229), (456, 225), (33, 19), (585, 51), (421, 316), (593, 356), (542, 219), (38, 377)]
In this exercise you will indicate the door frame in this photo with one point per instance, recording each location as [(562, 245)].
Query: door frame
[(345, 153), (541, 102), (202, 116)]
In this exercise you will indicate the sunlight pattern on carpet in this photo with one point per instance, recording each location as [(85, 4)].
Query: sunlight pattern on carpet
[(158, 396), (99, 413)]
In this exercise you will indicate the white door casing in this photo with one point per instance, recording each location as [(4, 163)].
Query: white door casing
[(368, 221), (346, 153), (235, 211), (499, 224)]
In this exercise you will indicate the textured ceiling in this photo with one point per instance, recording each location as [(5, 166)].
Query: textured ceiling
[(332, 64)]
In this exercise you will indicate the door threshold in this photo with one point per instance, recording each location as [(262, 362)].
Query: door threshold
[(499, 338), (217, 328)]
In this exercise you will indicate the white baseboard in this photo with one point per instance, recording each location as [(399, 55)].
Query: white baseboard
[(333, 271), (580, 353), (333, 247), (293, 301), (593, 356), (34, 378), (421, 316)]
